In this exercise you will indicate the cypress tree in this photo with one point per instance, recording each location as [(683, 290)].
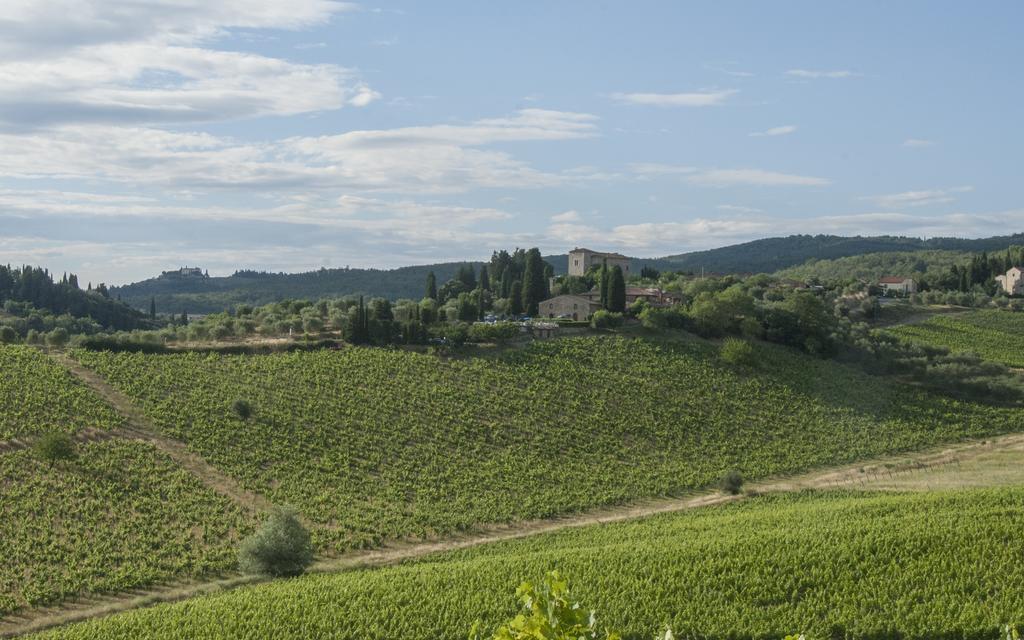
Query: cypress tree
[(152, 308), (603, 284), (515, 302), (506, 282), (533, 282), (617, 290), (485, 278), (431, 286)]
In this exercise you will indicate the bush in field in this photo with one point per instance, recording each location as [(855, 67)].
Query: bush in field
[(732, 483), (8, 335), (57, 338), (737, 352), (242, 409), (606, 320), (282, 547), (493, 332), (547, 613), (54, 447)]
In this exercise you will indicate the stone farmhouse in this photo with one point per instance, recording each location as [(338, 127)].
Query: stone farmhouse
[(652, 295), (1012, 283), (898, 285), (569, 306), (581, 260)]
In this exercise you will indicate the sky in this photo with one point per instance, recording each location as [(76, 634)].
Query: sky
[(286, 136)]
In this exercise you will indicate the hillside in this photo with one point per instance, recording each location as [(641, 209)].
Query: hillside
[(872, 266), (773, 254), (832, 564), (994, 335), (374, 444), (211, 295)]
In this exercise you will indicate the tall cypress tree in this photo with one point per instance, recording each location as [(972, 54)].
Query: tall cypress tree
[(603, 284), (431, 286), (533, 282), (617, 290), (506, 281), (515, 302), (152, 308), (485, 278)]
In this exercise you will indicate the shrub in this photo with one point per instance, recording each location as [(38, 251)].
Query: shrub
[(54, 447), (282, 547), (242, 409), (606, 320), (57, 338), (547, 613), (732, 483), (8, 335), (493, 332), (737, 352)]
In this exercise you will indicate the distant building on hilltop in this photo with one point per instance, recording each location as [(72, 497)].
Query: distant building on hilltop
[(1012, 283), (581, 260), (899, 285), (186, 272)]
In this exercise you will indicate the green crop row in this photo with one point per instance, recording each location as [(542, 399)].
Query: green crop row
[(831, 565), (119, 516), (995, 335), (372, 444), (37, 395)]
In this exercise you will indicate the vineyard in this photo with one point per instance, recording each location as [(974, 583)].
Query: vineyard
[(992, 334), (372, 444), (118, 517), (37, 395), (835, 564)]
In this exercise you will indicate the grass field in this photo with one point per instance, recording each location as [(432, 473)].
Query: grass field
[(922, 565), (373, 444), (37, 395), (118, 517), (995, 335)]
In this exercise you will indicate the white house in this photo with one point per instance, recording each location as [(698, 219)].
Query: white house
[(1012, 282), (898, 285)]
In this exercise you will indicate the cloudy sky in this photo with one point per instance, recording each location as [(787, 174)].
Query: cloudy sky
[(140, 136)]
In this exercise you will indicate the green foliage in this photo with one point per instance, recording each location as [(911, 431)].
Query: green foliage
[(737, 352), (547, 613), (58, 337), (603, 319), (732, 482), (39, 396), (242, 409), (124, 516), (8, 335), (617, 291), (374, 444), (54, 447), (493, 332), (992, 334), (942, 564), (534, 285), (281, 547)]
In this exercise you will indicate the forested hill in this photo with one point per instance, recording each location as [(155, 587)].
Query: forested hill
[(199, 295), (772, 254)]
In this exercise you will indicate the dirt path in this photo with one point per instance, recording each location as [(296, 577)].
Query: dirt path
[(139, 427), (897, 471)]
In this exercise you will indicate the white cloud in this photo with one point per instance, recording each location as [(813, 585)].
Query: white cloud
[(738, 208), (120, 61), (816, 74), (917, 142), (695, 99), (426, 159), (752, 177), (567, 216), (917, 198), (775, 131)]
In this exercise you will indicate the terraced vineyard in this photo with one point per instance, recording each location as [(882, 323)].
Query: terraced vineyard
[(373, 444), (119, 517), (992, 334), (940, 565), (37, 395)]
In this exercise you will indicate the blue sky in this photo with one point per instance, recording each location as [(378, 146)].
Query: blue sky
[(136, 137)]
